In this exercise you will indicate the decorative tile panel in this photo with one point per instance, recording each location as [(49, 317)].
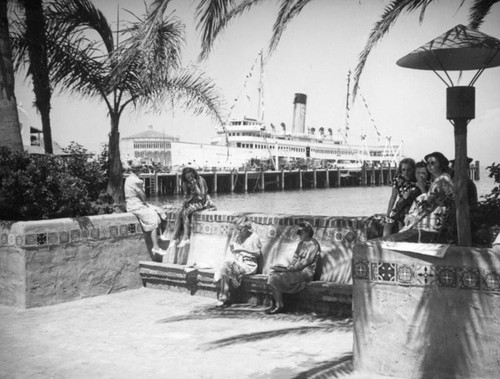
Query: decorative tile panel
[(113, 231), (75, 235), (41, 239), (350, 236), (425, 275), (53, 239), (361, 269), (491, 281), (64, 237), (94, 233), (405, 274), (123, 230), (447, 276), (131, 228), (469, 278), (30, 240)]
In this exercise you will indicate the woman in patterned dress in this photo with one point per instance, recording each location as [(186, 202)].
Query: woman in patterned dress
[(293, 277), (405, 190), (195, 199), (433, 211), (246, 249)]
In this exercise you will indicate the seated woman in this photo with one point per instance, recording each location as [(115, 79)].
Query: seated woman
[(433, 210), (195, 199), (150, 216), (293, 277), (246, 249), (404, 189)]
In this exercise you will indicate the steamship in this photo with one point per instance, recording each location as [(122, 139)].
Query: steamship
[(247, 139), (241, 142)]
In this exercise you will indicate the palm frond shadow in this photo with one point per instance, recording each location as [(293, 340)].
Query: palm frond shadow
[(263, 336), (334, 368), (247, 311)]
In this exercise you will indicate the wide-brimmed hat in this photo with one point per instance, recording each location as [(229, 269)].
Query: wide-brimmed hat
[(440, 156)]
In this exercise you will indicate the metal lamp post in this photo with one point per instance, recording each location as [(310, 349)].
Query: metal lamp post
[(458, 49)]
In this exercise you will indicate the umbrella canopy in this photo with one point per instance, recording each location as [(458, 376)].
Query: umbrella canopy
[(458, 49)]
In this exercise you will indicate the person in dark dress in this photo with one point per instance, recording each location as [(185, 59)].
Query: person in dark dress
[(292, 278)]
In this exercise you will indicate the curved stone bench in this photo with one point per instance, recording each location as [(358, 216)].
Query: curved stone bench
[(318, 296)]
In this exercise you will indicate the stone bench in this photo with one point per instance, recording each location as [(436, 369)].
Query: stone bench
[(318, 296)]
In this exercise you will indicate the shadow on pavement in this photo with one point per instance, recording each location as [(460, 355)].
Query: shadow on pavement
[(335, 368), (247, 311)]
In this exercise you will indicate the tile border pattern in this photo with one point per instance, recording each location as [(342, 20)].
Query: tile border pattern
[(404, 274), (343, 230)]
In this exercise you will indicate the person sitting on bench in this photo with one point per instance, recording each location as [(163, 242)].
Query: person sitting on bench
[(293, 277), (246, 249)]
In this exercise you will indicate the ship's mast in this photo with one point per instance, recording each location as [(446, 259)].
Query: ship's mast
[(260, 105)]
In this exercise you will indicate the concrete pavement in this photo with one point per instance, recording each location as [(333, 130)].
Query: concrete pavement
[(148, 333)]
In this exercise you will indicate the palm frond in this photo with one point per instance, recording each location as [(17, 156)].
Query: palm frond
[(381, 27), (478, 11), (155, 44), (210, 13), (77, 15), (213, 22), (288, 10), (19, 44), (74, 69), (188, 88)]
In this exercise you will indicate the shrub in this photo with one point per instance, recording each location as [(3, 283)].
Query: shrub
[(485, 219), (34, 187)]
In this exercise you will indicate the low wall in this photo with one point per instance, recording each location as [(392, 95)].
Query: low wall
[(51, 261), (420, 316), (212, 232)]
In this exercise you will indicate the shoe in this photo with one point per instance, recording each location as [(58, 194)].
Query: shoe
[(163, 238), (275, 310), (159, 251), (183, 243), (223, 304)]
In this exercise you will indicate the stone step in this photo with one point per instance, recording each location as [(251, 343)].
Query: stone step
[(319, 297)]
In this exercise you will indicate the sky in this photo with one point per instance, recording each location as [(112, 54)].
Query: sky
[(316, 52)]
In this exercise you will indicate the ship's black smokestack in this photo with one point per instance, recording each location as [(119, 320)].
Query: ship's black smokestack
[(299, 113)]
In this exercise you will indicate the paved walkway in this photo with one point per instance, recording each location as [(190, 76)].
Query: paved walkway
[(148, 333)]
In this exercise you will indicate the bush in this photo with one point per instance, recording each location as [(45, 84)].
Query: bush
[(34, 187), (485, 219)]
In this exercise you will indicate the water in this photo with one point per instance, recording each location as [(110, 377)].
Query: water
[(347, 201)]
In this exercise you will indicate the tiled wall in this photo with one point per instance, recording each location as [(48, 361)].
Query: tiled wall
[(418, 315)]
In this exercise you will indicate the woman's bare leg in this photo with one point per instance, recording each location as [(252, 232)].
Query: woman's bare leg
[(278, 298), (154, 238), (187, 225), (178, 225)]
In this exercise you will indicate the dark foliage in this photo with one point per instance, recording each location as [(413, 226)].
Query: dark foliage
[(35, 187), (485, 219)]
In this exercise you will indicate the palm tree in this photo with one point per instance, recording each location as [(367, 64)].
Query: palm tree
[(215, 15), (28, 37), (144, 69), (10, 129)]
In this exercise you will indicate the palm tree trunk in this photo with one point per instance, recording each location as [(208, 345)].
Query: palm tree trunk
[(10, 129), (37, 47), (115, 176)]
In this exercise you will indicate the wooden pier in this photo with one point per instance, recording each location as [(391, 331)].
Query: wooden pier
[(271, 180)]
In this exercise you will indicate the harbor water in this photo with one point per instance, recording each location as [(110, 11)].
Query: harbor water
[(344, 201)]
